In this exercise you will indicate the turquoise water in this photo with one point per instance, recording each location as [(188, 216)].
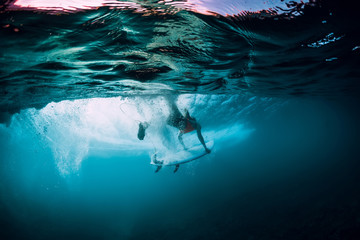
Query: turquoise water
[(284, 169), (274, 85)]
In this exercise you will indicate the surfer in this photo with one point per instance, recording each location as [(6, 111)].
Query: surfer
[(185, 124)]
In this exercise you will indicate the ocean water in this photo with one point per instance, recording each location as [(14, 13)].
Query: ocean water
[(274, 84)]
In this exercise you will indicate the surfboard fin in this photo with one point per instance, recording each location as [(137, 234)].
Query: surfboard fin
[(176, 167), (158, 168)]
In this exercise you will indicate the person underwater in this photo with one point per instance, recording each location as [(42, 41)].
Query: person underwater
[(185, 123)]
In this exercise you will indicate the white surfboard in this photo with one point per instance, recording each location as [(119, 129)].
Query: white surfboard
[(180, 157)]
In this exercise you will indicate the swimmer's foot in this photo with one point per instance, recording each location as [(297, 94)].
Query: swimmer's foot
[(141, 132)]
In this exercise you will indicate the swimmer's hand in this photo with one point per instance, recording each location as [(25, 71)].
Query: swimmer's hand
[(207, 150)]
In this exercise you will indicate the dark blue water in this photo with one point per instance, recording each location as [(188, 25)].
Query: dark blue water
[(274, 84)]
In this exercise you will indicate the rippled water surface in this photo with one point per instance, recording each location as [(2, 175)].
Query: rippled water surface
[(71, 50)]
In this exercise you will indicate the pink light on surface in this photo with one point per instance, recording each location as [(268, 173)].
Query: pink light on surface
[(59, 4), (70, 5), (207, 7)]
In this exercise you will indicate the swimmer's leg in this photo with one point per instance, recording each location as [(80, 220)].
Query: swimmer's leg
[(176, 168), (158, 168)]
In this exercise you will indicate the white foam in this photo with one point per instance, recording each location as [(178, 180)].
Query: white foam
[(72, 130)]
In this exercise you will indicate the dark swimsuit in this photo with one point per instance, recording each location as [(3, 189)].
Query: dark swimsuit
[(189, 127), (176, 119)]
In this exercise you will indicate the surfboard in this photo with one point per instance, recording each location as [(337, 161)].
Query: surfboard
[(180, 157)]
